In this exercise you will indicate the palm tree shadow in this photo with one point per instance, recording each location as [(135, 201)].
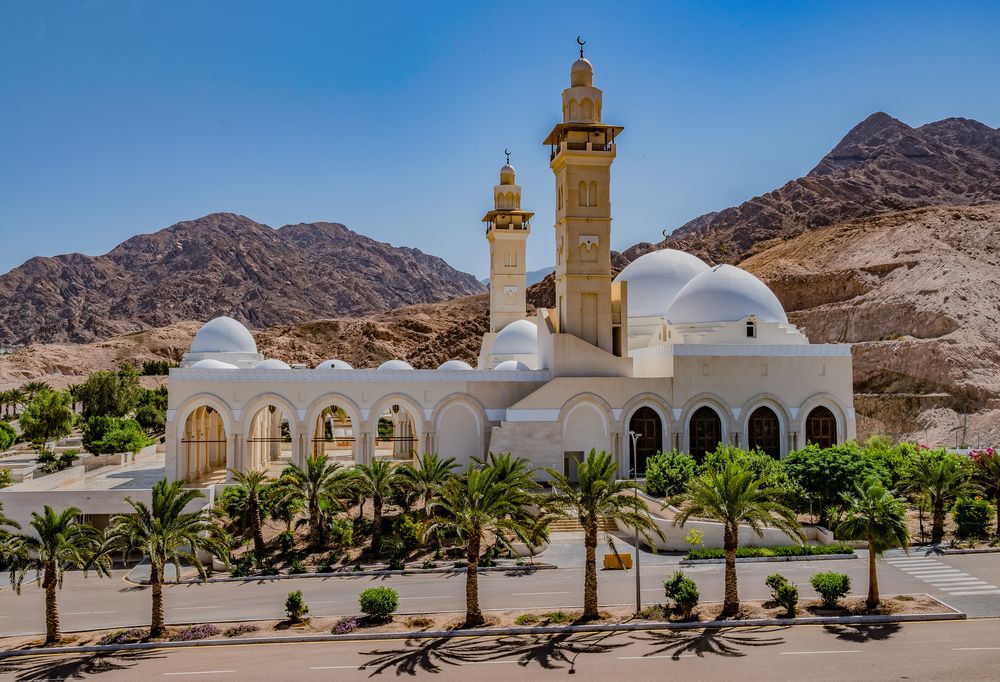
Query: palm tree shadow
[(863, 633), (72, 667), (714, 641), (430, 656)]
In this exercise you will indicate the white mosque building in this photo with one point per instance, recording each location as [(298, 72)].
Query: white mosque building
[(671, 353)]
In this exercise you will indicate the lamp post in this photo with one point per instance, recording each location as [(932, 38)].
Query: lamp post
[(635, 491)]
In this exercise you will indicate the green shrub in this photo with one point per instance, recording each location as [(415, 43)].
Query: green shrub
[(972, 517), (341, 532), (774, 581), (787, 596), (5, 478), (286, 542), (8, 436), (559, 617), (408, 530), (823, 476), (831, 587), (151, 418), (296, 567), (668, 473), (295, 606), (243, 566), (50, 462), (526, 619), (683, 591), (784, 550), (379, 603)]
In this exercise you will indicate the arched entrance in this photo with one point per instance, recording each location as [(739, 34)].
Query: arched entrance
[(821, 427), (269, 440), (648, 429), (333, 435), (204, 446), (706, 432), (396, 435), (764, 432)]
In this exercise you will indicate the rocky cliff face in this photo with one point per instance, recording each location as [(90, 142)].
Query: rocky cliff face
[(222, 264)]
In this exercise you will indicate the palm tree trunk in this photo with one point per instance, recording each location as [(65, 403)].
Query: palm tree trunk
[(259, 547), (315, 526), (937, 530), (53, 632), (873, 598), (377, 523), (731, 602), (157, 623), (590, 572), (473, 614)]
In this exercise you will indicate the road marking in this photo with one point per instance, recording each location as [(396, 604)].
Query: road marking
[(437, 597), (977, 648), (803, 653), (533, 594), (957, 578), (188, 608), (644, 658), (986, 593), (960, 582), (203, 672), (85, 613)]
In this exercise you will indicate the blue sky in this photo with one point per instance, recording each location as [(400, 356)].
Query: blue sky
[(118, 118)]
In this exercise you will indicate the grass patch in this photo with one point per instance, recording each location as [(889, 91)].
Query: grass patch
[(560, 617), (784, 550), (526, 619)]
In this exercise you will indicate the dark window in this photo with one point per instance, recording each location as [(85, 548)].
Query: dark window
[(765, 432), (706, 432), (646, 424), (751, 329), (821, 427)]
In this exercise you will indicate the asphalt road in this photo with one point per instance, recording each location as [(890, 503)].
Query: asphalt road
[(92, 603), (968, 650)]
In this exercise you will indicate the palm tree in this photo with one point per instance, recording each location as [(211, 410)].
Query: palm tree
[(319, 487), (7, 543), (60, 540), (732, 495), (5, 403), (17, 397), (944, 478), (477, 506), (878, 517), (597, 495), (424, 481), (33, 388), (253, 485), (379, 481), (163, 532), (988, 473)]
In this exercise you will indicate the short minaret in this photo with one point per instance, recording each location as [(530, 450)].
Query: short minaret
[(582, 150), (507, 230)]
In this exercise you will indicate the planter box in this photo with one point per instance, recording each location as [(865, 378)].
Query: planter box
[(617, 562)]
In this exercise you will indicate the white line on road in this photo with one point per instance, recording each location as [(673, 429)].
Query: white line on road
[(437, 597), (85, 613), (188, 608), (979, 592), (803, 653), (977, 648), (959, 582), (963, 578), (203, 672), (941, 573), (533, 594)]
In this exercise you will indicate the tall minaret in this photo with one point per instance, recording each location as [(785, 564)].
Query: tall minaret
[(507, 230), (583, 149)]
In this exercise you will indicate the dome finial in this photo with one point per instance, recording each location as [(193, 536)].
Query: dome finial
[(581, 43), (507, 153)]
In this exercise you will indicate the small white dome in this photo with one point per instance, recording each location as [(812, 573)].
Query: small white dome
[(655, 278), (725, 294), (581, 73), (511, 366), (507, 175), (272, 363), (395, 364), (223, 335), (455, 364), (517, 338), (334, 364), (209, 363)]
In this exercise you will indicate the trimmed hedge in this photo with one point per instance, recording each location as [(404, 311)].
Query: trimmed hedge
[(785, 550)]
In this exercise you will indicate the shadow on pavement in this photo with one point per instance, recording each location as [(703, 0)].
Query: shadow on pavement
[(551, 652), (863, 633), (71, 667), (714, 641)]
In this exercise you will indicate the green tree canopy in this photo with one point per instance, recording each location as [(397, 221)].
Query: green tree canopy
[(8, 436), (826, 476), (47, 417), (110, 394)]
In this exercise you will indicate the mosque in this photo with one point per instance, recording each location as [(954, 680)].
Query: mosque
[(671, 353)]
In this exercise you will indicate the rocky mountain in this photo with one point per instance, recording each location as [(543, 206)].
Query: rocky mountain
[(881, 166), (221, 264)]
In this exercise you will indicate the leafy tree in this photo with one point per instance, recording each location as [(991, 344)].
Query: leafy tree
[(31, 389), (598, 495), (151, 418), (109, 435), (60, 540), (110, 394), (8, 436), (478, 506), (253, 485), (734, 496), (164, 533), (987, 468), (826, 476), (764, 467), (878, 517), (943, 477), (894, 458), (385, 428), (318, 487), (667, 473), (379, 481), (424, 481), (47, 417)]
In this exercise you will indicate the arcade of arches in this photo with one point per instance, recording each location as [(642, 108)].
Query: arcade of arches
[(204, 445)]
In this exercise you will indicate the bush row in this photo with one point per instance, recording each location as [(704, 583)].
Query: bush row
[(785, 550)]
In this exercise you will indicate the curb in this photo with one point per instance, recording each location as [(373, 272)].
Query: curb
[(765, 559), (498, 632), (974, 550), (350, 574)]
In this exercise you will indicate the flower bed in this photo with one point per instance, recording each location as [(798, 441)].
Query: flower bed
[(758, 552)]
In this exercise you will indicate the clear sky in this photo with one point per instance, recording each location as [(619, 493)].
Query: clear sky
[(124, 117)]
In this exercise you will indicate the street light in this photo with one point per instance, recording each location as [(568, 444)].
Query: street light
[(635, 477)]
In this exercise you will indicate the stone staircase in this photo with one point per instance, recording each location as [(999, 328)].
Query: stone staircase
[(566, 525)]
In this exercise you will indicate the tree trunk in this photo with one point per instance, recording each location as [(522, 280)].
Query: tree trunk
[(377, 524), (315, 526), (53, 632), (157, 623), (731, 602), (873, 598), (258, 534), (473, 614), (937, 530), (590, 572)]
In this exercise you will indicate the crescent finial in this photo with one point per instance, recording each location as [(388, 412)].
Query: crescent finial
[(507, 152), (664, 232), (581, 43)]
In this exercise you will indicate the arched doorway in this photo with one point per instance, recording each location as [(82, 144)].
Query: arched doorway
[(333, 435), (706, 432), (204, 446), (269, 440), (821, 427), (459, 433), (764, 432), (396, 435), (648, 429)]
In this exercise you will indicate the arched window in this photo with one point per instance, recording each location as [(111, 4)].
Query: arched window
[(821, 427), (706, 432), (592, 195), (571, 108), (582, 198), (645, 423), (510, 200), (764, 432), (587, 109)]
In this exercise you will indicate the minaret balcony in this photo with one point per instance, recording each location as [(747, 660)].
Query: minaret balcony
[(581, 147)]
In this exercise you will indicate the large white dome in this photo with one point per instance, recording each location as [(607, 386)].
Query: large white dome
[(272, 363), (223, 335), (517, 338), (512, 366), (725, 294), (395, 364), (455, 365), (209, 363), (655, 278)]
